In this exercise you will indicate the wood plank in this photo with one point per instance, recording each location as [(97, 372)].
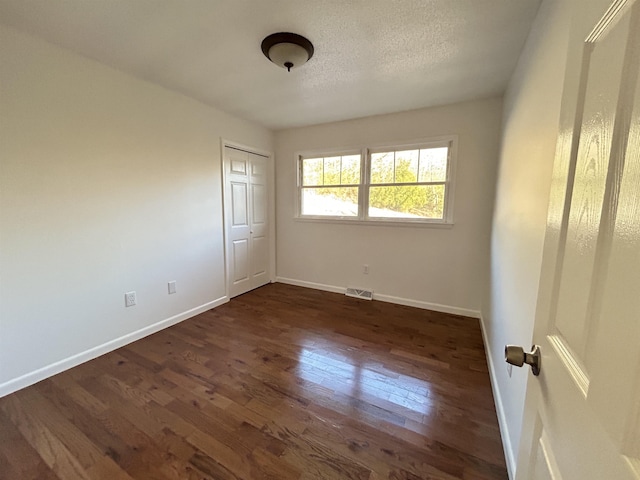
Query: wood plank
[(52, 451), (21, 461)]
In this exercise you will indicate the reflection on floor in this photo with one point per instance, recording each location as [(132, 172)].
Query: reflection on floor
[(280, 383)]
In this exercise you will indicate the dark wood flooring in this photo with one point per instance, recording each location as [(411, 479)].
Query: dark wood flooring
[(280, 383)]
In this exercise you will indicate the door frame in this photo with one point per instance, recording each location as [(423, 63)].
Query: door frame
[(271, 207)]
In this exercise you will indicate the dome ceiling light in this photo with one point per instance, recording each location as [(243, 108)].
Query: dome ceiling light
[(287, 50)]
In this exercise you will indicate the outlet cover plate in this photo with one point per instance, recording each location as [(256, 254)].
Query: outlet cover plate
[(130, 299), (171, 286)]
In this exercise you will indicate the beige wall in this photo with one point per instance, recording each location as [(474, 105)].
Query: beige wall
[(107, 184), (531, 116), (440, 268)]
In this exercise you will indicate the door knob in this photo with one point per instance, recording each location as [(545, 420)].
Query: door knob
[(516, 355)]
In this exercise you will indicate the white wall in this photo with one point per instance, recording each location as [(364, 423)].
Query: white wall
[(107, 184), (440, 268), (530, 123)]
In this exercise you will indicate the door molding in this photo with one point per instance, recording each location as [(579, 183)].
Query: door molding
[(271, 207)]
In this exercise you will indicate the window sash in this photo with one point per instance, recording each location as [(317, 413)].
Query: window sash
[(406, 215), (346, 207), (324, 156)]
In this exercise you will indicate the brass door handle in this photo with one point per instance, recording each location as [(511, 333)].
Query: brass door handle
[(516, 355)]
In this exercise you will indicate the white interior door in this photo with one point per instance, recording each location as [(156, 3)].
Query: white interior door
[(582, 414), (247, 220), (258, 220)]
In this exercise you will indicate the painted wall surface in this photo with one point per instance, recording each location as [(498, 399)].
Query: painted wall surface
[(107, 184), (438, 268), (530, 123)]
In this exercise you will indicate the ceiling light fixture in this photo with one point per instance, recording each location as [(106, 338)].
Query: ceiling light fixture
[(287, 50)]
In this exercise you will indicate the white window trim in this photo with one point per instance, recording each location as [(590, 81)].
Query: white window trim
[(365, 151)]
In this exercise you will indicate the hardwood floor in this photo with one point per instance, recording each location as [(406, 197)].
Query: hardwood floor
[(280, 383)]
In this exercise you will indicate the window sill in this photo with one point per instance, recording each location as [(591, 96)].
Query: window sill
[(381, 223)]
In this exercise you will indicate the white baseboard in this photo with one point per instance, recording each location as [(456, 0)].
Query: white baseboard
[(30, 378), (497, 398), (386, 298), (316, 286), (436, 307)]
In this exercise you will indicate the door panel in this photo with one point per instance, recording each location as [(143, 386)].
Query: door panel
[(238, 165), (544, 464), (240, 255), (247, 220), (239, 204), (582, 415), (261, 257), (618, 330), (602, 77), (259, 204)]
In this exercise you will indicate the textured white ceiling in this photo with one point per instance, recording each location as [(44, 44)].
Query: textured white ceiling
[(371, 56)]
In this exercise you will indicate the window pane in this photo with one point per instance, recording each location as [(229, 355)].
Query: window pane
[(350, 169), (382, 167), (338, 170), (406, 166), (421, 201), (433, 164), (332, 171), (330, 201), (312, 171)]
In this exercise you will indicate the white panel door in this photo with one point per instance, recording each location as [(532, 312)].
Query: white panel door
[(582, 414), (247, 220), (259, 220)]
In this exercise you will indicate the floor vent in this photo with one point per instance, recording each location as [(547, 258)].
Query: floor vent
[(359, 293)]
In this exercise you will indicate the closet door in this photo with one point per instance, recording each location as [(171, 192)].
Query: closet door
[(247, 220), (258, 221)]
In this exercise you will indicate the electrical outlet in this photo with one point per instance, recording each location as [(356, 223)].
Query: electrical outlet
[(129, 299), (171, 287), (365, 269)]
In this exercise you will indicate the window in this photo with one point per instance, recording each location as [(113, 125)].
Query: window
[(405, 183)]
